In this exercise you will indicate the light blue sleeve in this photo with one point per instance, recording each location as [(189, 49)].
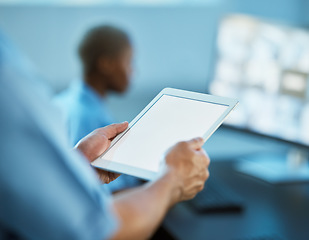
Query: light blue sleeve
[(46, 190)]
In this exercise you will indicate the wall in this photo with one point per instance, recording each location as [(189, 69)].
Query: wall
[(174, 45)]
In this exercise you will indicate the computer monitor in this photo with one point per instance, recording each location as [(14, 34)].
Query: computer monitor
[(266, 66)]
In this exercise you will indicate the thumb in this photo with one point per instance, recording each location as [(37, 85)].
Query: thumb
[(196, 143), (113, 130)]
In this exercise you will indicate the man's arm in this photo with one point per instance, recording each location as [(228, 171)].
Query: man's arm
[(140, 210)]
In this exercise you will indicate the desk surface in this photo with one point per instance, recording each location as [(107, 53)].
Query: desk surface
[(281, 212)]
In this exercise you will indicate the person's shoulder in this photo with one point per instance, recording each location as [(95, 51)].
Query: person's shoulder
[(69, 96)]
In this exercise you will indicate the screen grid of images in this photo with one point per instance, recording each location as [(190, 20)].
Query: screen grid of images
[(266, 67)]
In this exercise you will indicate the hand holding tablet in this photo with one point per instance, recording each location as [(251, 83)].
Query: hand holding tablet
[(172, 116)]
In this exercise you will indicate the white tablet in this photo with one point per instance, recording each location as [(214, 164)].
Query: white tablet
[(172, 116)]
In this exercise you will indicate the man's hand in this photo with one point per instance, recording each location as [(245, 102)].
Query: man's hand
[(187, 164), (185, 174), (95, 143)]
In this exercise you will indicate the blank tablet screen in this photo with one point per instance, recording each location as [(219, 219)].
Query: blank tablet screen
[(170, 120)]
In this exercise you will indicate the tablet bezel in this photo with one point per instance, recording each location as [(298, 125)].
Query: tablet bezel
[(149, 175)]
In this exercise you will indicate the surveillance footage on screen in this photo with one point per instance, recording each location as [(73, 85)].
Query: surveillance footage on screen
[(265, 66)]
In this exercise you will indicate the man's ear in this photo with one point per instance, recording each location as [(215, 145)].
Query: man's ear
[(105, 65)]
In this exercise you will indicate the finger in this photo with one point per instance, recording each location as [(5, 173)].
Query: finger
[(203, 154), (205, 174), (207, 161), (196, 143), (113, 130)]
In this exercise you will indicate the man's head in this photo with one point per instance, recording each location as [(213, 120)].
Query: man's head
[(106, 55)]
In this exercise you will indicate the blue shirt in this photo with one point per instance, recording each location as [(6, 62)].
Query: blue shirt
[(83, 110), (47, 190)]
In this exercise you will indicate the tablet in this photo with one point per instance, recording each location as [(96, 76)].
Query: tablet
[(173, 115)]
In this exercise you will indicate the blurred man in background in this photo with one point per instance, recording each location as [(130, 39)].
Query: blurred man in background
[(106, 56)]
